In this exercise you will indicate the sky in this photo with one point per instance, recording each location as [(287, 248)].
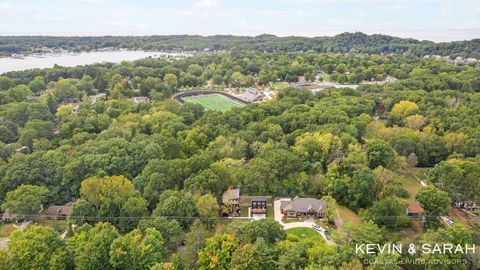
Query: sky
[(436, 20)]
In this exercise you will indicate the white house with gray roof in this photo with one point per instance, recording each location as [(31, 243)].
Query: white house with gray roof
[(298, 207)]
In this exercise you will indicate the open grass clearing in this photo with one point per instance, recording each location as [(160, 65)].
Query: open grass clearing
[(410, 184), (348, 215)]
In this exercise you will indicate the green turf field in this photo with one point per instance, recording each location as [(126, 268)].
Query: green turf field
[(216, 102)]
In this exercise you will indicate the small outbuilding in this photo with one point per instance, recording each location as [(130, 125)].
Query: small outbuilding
[(414, 209)]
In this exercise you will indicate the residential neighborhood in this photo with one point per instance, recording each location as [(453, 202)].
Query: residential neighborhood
[(239, 135)]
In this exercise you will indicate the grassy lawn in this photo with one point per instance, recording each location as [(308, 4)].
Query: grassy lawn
[(348, 215), (216, 102), (244, 211), (279, 86), (221, 225), (6, 230), (293, 220), (420, 173), (410, 184), (414, 231), (270, 212), (58, 225), (305, 234)]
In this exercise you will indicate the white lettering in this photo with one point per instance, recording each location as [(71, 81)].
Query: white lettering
[(426, 248), (397, 248), (359, 248), (448, 247), (472, 248), (371, 248)]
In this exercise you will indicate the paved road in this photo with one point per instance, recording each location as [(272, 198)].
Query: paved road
[(276, 209), (4, 243), (23, 225)]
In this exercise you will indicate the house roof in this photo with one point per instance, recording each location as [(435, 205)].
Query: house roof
[(140, 99), (231, 194), (303, 205), (8, 215), (58, 210), (97, 96), (74, 104), (415, 207), (250, 95), (259, 199)]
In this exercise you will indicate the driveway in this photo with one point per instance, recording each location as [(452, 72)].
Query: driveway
[(3, 243), (23, 225), (276, 209), (305, 224)]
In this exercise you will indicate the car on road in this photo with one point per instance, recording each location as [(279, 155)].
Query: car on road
[(317, 227), (448, 220), (327, 235)]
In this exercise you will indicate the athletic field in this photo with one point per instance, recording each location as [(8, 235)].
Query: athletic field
[(216, 102)]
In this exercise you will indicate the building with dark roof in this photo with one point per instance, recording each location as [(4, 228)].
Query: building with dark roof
[(58, 211), (259, 205), (308, 207), (414, 209)]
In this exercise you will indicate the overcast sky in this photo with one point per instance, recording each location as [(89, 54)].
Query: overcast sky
[(437, 20)]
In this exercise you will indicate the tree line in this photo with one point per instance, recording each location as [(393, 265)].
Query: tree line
[(144, 178), (345, 42)]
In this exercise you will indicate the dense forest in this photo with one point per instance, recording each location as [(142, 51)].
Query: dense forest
[(342, 43), (145, 178)]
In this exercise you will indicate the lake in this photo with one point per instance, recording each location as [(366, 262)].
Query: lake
[(75, 59)]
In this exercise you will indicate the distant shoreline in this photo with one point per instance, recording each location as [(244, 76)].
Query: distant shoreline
[(58, 53), (20, 62)]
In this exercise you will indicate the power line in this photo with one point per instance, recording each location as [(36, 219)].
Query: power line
[(206, 218), (129, 217)]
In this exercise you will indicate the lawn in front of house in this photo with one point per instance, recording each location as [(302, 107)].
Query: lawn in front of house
[(305, 234), (293, 220)]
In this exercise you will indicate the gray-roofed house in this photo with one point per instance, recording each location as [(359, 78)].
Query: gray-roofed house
[(32, 98), (251, 96), (137, 100), (231, 199), (58, 211), (100, 96), (8, 215), (308, 207)]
